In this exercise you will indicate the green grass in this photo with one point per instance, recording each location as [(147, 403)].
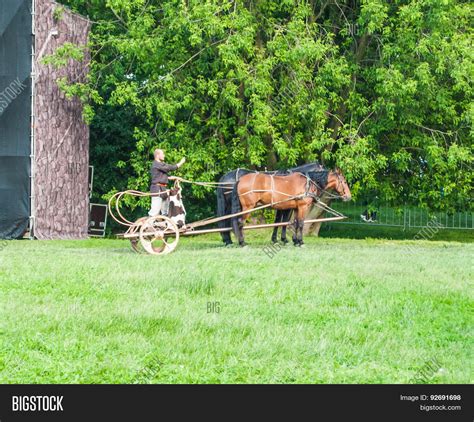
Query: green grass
[(336, 311)]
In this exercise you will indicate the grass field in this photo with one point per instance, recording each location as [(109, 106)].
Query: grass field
[(337, 311)]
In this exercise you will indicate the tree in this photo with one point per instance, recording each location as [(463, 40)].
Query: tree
[(381, 89)]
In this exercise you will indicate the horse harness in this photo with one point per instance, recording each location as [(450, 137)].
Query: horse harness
[(273, 191), (308, 192)]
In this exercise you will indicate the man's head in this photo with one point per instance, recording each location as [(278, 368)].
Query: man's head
[(159, 155)]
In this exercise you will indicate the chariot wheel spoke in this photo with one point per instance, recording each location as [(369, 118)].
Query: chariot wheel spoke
[(154, 233)]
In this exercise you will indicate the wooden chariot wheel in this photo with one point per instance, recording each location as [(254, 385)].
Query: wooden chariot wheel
[(159, 235), (135, 241), (136, 246)]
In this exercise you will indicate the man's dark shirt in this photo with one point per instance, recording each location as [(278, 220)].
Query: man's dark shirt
[(159, 175)]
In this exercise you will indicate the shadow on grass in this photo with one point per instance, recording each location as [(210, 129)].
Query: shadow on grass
[(260, 238), (362, 231)]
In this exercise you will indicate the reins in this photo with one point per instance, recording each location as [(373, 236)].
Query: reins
[(119, 218), (118, 196), (208, 184)]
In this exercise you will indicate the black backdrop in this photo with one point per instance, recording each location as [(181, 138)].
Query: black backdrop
[(15, 110)]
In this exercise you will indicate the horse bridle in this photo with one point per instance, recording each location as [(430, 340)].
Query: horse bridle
[(319, 188), (340, 182)]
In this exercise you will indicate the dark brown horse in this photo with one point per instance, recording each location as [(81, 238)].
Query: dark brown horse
[(296, 191)]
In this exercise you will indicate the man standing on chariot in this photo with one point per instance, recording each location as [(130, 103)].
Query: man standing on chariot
[(159, 182)]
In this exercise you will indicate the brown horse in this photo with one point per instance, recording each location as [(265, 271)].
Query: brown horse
[(296, 191)]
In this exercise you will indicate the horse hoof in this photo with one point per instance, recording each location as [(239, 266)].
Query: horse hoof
[(228, 245)]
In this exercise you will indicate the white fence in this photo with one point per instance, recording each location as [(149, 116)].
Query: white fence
[(404, 216)]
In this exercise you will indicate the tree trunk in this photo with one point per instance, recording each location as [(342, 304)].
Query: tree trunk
[(61, 169)]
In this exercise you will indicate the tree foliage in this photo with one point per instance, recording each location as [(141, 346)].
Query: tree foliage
[(381, 89)]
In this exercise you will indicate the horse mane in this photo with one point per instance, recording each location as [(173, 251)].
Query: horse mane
[(308, 167), (319, 177), (304, 168)]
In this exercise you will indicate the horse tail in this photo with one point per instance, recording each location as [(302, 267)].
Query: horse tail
[(221, 205), (236, 208), (236, 205)]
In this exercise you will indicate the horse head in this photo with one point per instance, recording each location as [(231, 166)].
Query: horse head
[(340, 185), (325, 180)]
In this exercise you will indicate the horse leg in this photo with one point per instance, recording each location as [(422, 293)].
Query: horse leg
[(300, 216), (240, 228), (285, 218), (278, 219), (298, 234), (227, 239), (238, 224), (300, 231), (295, 231), (224, 208)]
